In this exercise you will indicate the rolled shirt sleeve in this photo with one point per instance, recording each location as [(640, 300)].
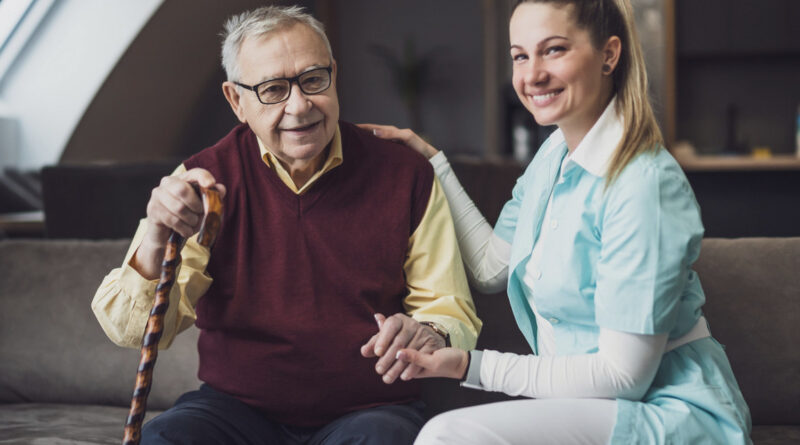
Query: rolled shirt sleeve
[(124, 299), (437, 283)]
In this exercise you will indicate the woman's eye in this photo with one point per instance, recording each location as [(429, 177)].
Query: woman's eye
[(519, 57), (553, 50)]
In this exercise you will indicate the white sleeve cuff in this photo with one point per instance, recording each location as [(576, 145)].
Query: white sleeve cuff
[(473, 378)]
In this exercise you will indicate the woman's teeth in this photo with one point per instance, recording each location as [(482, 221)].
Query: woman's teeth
[(543, 97)]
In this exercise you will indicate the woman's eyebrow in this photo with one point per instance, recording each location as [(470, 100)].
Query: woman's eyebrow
[(540, 43), (547, 39)]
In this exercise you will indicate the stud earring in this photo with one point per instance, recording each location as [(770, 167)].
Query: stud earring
[(606, 68)]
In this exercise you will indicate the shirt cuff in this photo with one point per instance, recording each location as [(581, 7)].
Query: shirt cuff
[(137, 285), (473, 378), (142, 296), (461, 336)]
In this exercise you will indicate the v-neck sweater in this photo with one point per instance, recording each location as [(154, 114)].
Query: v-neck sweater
[(298, 277)]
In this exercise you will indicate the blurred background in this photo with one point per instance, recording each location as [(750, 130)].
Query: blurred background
[(100, 98)]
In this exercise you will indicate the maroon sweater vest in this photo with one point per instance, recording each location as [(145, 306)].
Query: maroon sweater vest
[(297, 278)]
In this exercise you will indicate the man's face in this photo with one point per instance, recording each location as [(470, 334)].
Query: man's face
[(297, 130)]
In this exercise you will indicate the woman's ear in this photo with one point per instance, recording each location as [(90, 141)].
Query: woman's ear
[(611, 53)]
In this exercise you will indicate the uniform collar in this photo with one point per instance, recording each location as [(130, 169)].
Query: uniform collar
[(600, 143), (595, 151)]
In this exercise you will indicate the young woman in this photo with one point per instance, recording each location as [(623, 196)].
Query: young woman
[(595, 247)]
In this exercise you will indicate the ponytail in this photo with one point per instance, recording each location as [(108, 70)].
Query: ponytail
[(641, 132)]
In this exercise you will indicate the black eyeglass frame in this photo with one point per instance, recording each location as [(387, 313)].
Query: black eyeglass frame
[(291, 80)]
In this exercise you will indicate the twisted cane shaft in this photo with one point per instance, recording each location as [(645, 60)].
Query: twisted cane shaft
[(155, 322)]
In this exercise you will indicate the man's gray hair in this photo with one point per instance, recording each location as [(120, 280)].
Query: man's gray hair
[(259, 22)]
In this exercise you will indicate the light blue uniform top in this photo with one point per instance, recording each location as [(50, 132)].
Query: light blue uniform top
[(620, 258)]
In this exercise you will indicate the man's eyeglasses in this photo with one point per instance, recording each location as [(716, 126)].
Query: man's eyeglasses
[(274, 91)]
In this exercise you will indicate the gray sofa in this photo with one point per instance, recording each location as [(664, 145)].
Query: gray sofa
[(62, 381)]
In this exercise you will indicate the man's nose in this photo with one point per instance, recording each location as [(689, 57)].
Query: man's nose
[(298, 102)]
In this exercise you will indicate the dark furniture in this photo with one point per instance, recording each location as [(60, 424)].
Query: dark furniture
[(98, 201)]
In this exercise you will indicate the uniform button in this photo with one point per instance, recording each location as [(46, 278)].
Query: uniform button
[(553, 223), (150, 292), (554, 320)]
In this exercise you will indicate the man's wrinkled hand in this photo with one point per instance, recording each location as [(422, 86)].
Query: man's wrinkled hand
[(173, 205), (394, 334)]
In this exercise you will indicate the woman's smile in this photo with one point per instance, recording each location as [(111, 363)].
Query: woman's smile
[(545, 99)]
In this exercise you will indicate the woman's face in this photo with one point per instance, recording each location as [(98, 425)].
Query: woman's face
[(558, 74)]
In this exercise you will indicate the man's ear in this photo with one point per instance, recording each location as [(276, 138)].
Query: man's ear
[(231, 92), (611, 53), (334, 70)]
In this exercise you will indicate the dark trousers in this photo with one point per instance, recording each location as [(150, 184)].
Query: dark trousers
[(207, 416)]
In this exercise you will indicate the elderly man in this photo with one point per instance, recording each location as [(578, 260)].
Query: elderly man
[(326, 229)]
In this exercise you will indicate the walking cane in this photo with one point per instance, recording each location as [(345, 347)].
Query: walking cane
[(155, 323)]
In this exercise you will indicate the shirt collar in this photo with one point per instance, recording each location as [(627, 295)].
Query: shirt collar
[(595, 151), (335, 158)]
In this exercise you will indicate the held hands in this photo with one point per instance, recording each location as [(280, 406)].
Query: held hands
[(395, 333), (404, 136), (446, 362)]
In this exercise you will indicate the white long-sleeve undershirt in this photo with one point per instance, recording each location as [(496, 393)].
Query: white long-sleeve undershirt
[(485, 254), (623, 366)]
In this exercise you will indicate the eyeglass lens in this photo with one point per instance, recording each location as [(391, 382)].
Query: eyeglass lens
[(310, 82)]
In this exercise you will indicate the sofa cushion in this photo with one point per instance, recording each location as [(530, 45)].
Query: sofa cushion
[(775, 434), (753, 308), (55, 423), (52, 350)]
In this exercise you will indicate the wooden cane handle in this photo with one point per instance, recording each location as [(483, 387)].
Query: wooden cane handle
[(209, 228), (212, 217)]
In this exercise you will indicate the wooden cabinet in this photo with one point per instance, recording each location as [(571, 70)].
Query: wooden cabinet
[(737, 66), (715, 28)]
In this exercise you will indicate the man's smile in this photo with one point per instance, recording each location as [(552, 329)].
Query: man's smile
[(299, 129)]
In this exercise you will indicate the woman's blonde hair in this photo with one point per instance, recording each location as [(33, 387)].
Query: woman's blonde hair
[(603, 19)]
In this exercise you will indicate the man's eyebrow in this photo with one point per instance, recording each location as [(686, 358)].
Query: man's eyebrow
[(309, 68)]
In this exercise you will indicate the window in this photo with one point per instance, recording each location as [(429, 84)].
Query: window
[(18, 20), (11, 14)]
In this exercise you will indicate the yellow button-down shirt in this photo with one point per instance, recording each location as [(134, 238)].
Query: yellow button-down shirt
[(437, 285)]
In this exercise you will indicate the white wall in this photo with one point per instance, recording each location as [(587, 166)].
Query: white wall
[(55, 77)]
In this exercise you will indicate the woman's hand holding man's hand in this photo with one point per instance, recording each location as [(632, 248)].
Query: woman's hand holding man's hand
[(446, 362)]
